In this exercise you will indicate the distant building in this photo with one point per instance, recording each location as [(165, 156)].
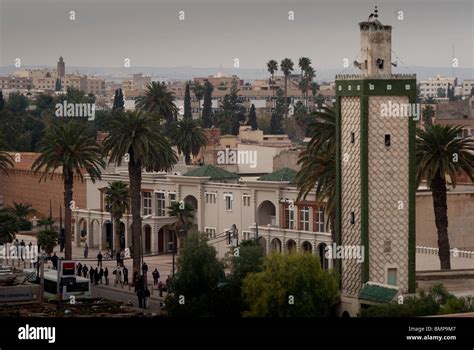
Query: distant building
[(430, 87), (61, 68)]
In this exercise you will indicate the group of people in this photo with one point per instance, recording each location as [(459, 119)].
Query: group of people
[(95, 275), (20, 248)]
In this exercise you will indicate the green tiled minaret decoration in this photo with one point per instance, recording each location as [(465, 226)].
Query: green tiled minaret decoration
[(375, 167)]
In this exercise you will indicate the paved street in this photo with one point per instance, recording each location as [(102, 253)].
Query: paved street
[(162, 262)]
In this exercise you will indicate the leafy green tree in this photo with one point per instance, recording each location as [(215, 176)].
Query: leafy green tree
[(139, 137), (48, 240), (437, 301), (252, 118), (69, 147), (286, 66), (427, 114), (290, 285), (22, 210), (9, 226), (17, 102), (199, 91), (198, 277), (187, 103), (272, 67), (233, 112), (440, 152), (117, 199), (57, 85), (74, 95), (44, 102), (277, 115), (441, 92), (207, 105), (189, 138), (158, 100), (2, 101), (119, 103)]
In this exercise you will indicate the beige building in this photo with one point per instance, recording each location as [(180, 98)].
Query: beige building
[(429, 88), (467, 86), (263, 209)]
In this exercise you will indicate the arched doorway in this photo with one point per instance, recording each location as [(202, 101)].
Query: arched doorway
[(276, 245), (262, 242), (147, 242), (307, 247), (83, 232), (161, 240), (94, 233), (322, 256), (291, 246), (266, 214), (109, 235)]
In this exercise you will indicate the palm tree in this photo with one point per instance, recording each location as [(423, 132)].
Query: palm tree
[(158, 100), (428, 114), (272, 67), (9, 226), (440, 152), (318, 167), (117, 199), (69, 147), (304, 63), (198, 90), (47, 239), (286, 66), (189, 138), (314, 87), (184, 214), (22, 211), (139, 136), (308, 79)]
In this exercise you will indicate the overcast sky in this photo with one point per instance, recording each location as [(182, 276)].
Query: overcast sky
[(215, 32)]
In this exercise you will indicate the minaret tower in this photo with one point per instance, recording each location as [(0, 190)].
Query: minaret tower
[(375, 169), (61, 68)]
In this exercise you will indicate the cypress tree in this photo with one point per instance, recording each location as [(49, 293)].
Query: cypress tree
[(207, 105), (252, 118), (187, 103)]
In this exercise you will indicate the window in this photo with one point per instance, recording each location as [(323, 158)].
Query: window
[(246, 200), (146, 203), (247, 235), (388, 140), (210, 232), (228, 198), (353, 220), (210, 198), (352, 137), (319, 220), (172, 197), (392, 277), (160, 204), (304, 218), (289, 218), (387, 246)]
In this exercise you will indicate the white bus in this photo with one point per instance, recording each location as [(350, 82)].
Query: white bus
[(80, 288)]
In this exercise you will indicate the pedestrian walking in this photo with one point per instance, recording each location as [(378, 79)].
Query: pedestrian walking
[(106, 276), (17, 248), (140, 295), (144, 272), (101, 274), (125, 275), (146, 297), (79, 269), (54, 260), (156, 276), (96, 276), (86, 250), (22, 249), (84, 271), (91, 274), (118, 258), (99, 259)]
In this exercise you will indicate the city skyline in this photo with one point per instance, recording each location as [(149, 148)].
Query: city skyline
[(213, 34)]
